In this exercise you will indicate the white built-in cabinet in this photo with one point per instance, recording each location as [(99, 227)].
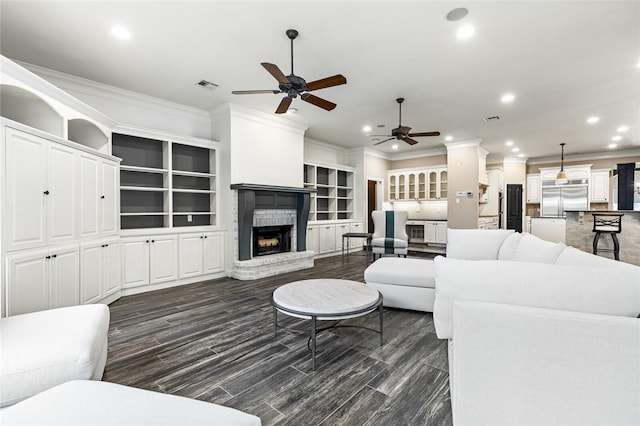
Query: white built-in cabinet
[(42, 279), (533, 188), (99, 269), (326, 238), (356, 242), (98, 196), (423, 184), (599, 185), (313, 239), (149, 260), (335, 193), (201, 253), (435, 232)]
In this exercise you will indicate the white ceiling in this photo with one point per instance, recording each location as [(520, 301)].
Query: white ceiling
[(564, 61)]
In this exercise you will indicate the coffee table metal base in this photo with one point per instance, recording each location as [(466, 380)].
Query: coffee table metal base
[(330, 317)]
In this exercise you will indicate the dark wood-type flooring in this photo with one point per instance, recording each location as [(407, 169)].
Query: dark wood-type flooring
[(214, 341)]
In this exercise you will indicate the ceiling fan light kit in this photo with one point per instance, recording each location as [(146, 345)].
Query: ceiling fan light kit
[(401, 132), (294, 86)]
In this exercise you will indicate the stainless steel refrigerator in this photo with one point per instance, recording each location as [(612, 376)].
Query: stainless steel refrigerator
[(557, 199)]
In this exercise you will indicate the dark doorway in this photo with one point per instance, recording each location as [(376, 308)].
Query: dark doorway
[(372, 202), (625, 186), (514, 207)]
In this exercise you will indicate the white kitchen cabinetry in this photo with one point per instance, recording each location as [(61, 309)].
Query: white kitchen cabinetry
[(488, 222), (201, 253), (326, 238), (423, 184), (149, 260), (40, 191), (312, 238), (100, 270), (435, 232), (533, 188), (42, 279), (98, 196), (600, 186)]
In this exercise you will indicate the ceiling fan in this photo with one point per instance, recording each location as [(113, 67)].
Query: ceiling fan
[(294, 85), (402, 132)]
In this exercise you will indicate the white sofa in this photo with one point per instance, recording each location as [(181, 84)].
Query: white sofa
[(539, 333)]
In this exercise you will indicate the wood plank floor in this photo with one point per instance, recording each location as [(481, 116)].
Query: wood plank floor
[(214, 341)]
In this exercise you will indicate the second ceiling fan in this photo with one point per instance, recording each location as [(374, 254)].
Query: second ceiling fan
[(294, 85), (401, 132)]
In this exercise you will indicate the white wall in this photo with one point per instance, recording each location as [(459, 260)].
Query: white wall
[(265, 150)]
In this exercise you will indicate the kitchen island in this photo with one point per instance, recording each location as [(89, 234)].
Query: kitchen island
[(580, 234)]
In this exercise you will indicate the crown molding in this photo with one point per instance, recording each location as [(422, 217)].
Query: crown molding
[(513, 160), (419, 154), (634, 152), (260, 117), (463, 144), (325, 146), (375, 153)]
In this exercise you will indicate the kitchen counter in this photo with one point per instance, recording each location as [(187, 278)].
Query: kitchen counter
[(549, 228), (580, 234)]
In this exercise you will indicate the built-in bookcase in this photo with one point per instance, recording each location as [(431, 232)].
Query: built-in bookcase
[(334, 199), (165, 184)]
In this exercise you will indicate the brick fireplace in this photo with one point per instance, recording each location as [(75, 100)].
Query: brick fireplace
[(271, 230)]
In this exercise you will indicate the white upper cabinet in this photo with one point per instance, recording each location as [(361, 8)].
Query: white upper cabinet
[(425, 184), (533, 188), (600, 186)]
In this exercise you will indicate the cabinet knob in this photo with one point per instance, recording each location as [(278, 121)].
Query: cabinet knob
[(147, 241), (153, 241), (48, 257), (46, 192), (205, 236), (106, 245), (201, 237), (54, 256), (102, 197)]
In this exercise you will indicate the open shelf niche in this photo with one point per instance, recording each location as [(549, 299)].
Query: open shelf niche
[(334, 199)]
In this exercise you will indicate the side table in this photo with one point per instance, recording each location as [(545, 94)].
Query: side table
[(365, 235)]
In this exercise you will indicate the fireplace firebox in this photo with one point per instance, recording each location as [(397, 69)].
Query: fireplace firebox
[(271, 240)]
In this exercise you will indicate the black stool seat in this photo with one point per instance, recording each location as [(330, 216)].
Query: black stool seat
[(607, 223)]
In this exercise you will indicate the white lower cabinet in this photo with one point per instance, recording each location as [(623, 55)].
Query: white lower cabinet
[(149, 260), (312, 238), (356, 242), (99, 270), (43, 279), (341, 228), (435, 232), (201, 254), (326, 238)]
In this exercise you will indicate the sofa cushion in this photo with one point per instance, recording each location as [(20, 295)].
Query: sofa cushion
[(509, 246), (592, 289), (475, 244), (402, 272), (534, 249), (82, 402), (42, 349), (573, 256)]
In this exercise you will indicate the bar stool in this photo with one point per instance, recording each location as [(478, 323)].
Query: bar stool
[(607, 223)]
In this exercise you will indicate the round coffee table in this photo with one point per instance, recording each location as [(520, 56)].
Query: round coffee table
[(325, 299)]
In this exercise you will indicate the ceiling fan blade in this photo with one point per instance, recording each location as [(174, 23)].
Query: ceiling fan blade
[(275, 72), (319, 102), (424, 134), (386, 140), (334, 80), (410, 141), (386, 136), (284, 105), (253, 92), (404, 129)]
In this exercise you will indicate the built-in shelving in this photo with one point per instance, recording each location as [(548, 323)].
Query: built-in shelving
[(164, 183), (334, 199)]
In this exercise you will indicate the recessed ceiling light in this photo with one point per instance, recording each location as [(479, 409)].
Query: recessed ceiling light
[(521, 155), (448, 138), (292, 110), (616, 138), (366, 128), (120, 32), (465, 32), (516, 149), (394, 146), (593, 119), (457, 14), (508, 143), (612, 145), (623, 128), (507, 97)]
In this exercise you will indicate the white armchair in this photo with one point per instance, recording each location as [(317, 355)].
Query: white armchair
[(389, 234)]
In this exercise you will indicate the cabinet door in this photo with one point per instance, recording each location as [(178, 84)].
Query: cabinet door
[(441, 232), (533, 189), (191, 255), (135, 261), (393, 187), (443, 183), (356, 242), (111, 267), (430, 232), (27, 283), (64, 277), (341, 228), (326, 238), (312, 238), (108, 198), (163, 258), (213, 252), (600, 187), (91, 273), (402, 187), (62, 199), (89, 195), (25, 212)]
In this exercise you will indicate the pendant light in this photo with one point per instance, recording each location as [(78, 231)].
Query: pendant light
[(561, 178)]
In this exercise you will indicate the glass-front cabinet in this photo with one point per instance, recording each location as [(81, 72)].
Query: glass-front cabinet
[(424, 184)]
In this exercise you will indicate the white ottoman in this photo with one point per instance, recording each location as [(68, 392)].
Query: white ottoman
[(42, 349), (404, 283), (84, 402)]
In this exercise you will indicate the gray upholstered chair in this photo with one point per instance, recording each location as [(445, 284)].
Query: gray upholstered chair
[(389, 234)]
